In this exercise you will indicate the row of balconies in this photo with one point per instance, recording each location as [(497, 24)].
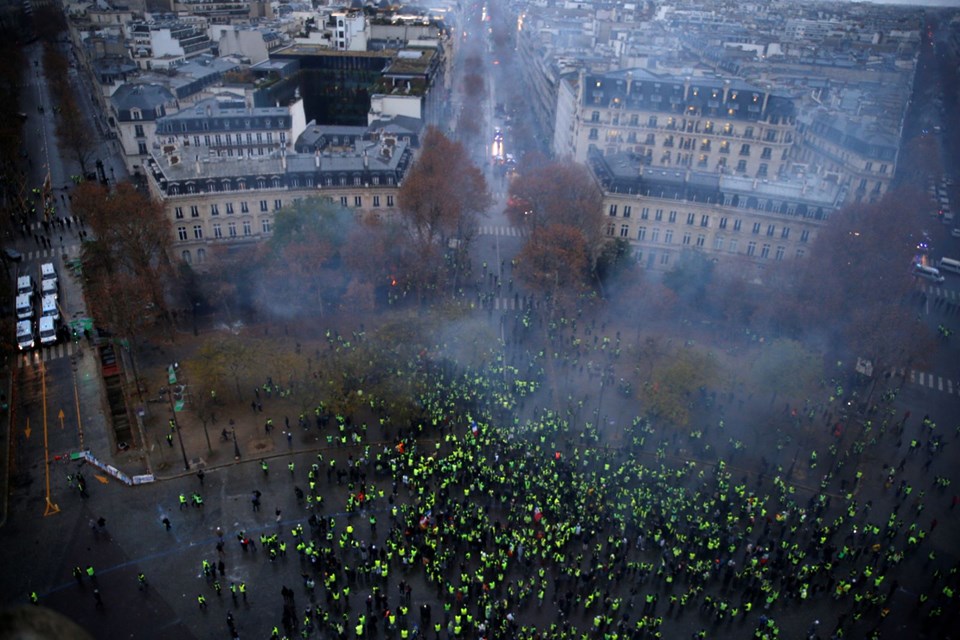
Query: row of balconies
[(785, 134), (688, 144), (717, 210), (176, 190)]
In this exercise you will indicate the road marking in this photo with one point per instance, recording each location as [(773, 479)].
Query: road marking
[(499, 230), (46, 354)]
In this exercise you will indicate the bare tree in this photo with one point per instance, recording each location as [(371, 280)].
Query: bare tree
[(75, 133)]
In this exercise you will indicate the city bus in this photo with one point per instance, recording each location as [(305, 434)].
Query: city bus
[(949, 264)]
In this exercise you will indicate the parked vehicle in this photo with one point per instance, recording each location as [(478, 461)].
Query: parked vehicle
[(26, 339), (25, 306)]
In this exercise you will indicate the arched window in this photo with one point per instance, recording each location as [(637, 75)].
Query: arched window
[(185, 254), (201, 255)]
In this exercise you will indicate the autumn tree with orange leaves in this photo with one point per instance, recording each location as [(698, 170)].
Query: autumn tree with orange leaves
[(127, 271), (441, 200), (555, 261), (131, 251), (559, 193), (443, 194)]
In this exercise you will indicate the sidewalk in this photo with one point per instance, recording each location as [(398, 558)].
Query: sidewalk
[(204, 447), (6, 387)]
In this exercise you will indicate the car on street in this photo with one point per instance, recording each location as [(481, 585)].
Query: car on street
[(12, 254), (955, 232)]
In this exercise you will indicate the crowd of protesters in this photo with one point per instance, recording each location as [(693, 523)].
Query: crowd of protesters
[(490, 525), (508, 509)]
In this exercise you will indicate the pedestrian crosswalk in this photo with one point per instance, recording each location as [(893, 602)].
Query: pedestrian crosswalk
[(939, 292), (46, 354), (70, 250), (57, 223), (930, 381), (516, 303), (500, 230), (508, 304)]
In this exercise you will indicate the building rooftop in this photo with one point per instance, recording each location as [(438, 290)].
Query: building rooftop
[(192, 76), (411, 62), (643, 89), (626, 173), (145, 97), (319, 136), (225, 107), (179, 166)]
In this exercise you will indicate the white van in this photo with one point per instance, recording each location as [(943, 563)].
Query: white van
[(928, 273), (49, 308), (24, 285), (25, 306), (50, 288), (48, 330), (47, 272), (25, 337), (949, 264)]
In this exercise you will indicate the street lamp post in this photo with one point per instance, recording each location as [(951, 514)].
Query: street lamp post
[(176, 426), (236, 447), (173, 413)]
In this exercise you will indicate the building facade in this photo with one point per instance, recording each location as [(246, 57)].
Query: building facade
[(161, 44), (228, 127), (233, 200), (349, 30), (860, 154), (134, 111), (666, 212), (706, 124)]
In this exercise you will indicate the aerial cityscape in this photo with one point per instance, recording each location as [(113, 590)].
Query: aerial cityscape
[(480, 319)]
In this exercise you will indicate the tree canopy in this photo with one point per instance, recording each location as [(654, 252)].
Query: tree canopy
[(301, 260), (558, 193), (130, 254), (562, 194), (853, 290), (443, 193), (675, 380), (554, 260)]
